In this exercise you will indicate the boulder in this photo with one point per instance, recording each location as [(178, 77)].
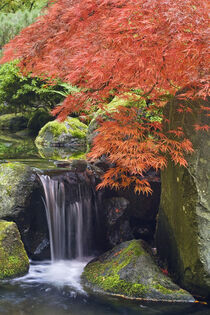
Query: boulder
[(20, 201), (130, 215), (59, 153), (128, 270), (118, 227), (183, 225), (14, 261), (13, 122), (70, 134)]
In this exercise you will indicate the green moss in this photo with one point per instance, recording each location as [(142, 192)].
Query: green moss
[(162, 289), (15, 186), (115, 285), (78, 156), (76, 128), (106, 274), (112, 282), (129, 270), (13, 258), (53, 131), (54, 127)]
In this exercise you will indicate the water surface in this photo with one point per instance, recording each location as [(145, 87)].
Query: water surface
[(55, 289)]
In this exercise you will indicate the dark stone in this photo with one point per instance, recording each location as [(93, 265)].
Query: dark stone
[(130, 215), (183, 229), (20, 201)]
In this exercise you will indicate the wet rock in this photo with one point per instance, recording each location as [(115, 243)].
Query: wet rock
[(183, 229), (14, 261), (129, 271), (117, 221), (20, 202), (129, 215)]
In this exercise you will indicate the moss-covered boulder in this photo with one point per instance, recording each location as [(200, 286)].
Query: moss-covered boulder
[(20, 202), (70, 134), (14, 261), (38, 119), (183, 227), (16, 181), (128, 270), (13, 122)]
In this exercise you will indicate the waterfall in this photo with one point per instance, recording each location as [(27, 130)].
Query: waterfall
[(71, 223)]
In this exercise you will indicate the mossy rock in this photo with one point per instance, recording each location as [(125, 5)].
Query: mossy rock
[(21, 202), (183, 224), (70, 134), (13, 122), (14, 261), (128, 270), (16, 184), (38, 119), (59, 153)]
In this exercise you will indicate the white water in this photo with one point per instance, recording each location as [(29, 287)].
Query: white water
[(58, 274), (70, 225), (70, 234)]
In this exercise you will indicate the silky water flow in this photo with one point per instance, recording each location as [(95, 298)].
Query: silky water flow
[(72, 218), (70, 224)]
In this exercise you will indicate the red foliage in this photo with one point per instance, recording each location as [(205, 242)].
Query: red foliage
[(157, 46), (165, 271)]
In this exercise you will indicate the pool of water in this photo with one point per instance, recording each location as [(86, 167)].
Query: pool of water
[(56, 289), (15, 147)]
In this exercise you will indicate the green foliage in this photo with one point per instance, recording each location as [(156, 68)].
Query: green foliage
[(25, 93), (12, 23), (15, 5)]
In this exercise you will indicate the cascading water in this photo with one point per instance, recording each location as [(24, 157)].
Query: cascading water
[(75, 232), (71, 223)]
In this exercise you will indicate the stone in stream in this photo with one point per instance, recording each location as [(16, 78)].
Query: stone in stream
[(20, 202), (61, 140), (128, 270), (14, 261), (183, 225)]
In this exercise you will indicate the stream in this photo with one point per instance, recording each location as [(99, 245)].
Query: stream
[(54, 287)]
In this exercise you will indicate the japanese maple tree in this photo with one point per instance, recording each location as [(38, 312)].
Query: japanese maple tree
[(111, 47)]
